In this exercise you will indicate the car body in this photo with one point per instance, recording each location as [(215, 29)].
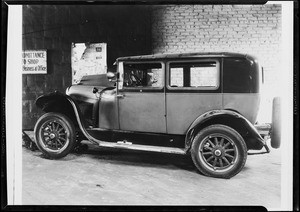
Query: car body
[(203, 104)]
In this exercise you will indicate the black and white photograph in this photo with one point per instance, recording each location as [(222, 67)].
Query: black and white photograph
[(139, 104)]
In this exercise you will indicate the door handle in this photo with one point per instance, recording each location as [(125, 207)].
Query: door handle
[(120, 95)]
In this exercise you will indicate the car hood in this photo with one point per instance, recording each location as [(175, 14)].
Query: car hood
[(85, 93), (96, 80)]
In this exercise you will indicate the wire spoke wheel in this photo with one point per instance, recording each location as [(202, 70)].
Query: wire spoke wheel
[(219, 151), (55, 135), (219, 155)]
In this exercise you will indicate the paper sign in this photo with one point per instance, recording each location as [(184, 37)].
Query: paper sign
[(34, 62), (88, 59)]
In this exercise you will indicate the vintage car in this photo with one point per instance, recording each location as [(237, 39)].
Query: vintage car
[(202, 104)]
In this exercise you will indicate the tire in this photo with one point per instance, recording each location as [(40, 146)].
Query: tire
[(55, 135), (219, 151), (276, 123)]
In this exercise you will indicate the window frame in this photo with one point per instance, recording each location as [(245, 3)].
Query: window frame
[(140, 89), (201, 88)]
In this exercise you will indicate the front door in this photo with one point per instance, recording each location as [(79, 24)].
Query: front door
[(141, 100)]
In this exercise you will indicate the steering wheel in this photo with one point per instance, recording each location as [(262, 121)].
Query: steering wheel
[(134, 80)]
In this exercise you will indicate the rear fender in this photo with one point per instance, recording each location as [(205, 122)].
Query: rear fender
[(229, 118)]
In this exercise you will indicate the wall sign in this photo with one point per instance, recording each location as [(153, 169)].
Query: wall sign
[(88, 59), (34, 62)]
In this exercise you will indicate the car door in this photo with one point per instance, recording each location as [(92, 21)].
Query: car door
[(193, 88), (141, 98)]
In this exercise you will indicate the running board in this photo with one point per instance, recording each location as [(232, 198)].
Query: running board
[(129, 145)]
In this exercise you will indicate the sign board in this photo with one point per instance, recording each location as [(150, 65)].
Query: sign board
[(88, 59), (34, 62)]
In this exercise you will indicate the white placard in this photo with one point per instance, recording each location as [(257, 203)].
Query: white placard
[(34, 62)]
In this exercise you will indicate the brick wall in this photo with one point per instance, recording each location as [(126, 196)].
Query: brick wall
[(251, 29)]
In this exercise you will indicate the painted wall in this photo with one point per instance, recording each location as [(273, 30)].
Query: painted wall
[(126, 30)]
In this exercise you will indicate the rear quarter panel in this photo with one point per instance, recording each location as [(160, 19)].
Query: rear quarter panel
[(247, 104)]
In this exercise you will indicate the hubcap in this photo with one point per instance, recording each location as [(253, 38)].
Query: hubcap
[(218, 152), (52, 135)]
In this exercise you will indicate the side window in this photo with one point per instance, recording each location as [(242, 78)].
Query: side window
[(176, 77), (143, 75), (194, 75)]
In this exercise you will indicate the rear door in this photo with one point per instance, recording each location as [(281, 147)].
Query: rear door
[(192, 88), (141, 100)]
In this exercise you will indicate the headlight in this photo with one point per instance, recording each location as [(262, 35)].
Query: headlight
[(67, 90)]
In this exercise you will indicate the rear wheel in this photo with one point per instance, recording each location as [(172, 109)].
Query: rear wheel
[(55, 135), (219, 151)]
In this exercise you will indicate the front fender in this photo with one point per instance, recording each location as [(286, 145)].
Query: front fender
[(59, 102), (229, 118)]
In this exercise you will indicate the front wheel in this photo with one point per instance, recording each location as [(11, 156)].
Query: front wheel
[(55, 135), (219, 151)]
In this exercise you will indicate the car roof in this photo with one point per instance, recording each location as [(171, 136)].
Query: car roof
[(185, 55)]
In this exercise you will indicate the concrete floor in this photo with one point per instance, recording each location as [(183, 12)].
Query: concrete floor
[(121, 177)]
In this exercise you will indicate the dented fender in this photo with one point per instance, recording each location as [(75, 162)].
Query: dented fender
[(45, 102), (222, 117), (59, 102)]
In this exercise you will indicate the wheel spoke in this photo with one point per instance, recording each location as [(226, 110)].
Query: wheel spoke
[(226, 145), (225, 159), (62, 139), (60, 142), (216, 141), (57, 126), (210, 158), (221, 162), (209, 148), (229, 150), (211, 143), (215, 162), (227, 155), (222, 142), (61, 128)]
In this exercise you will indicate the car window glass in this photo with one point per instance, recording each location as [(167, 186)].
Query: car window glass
[(176, 77), (194, 74), (204, 76), (148, 75)]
